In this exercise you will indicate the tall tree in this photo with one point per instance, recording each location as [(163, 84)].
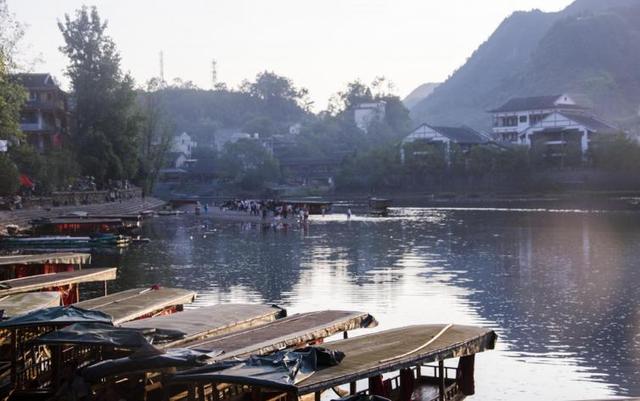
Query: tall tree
[(107, 126), (12, 95), (156, 134)]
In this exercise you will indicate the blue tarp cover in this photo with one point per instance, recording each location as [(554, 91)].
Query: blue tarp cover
[(281, 370), (56, 316)]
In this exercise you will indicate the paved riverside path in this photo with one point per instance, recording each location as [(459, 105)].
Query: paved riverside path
[(21, 217)]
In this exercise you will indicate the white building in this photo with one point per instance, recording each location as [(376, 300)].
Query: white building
[(555, 126), (443, 137), (225, 136), (562, 132), (183, 144), (366, 113), (514, 117)]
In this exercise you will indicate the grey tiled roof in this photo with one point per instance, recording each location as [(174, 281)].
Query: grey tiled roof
[(533, 103)]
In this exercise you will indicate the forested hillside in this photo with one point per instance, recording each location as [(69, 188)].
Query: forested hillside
[(592, 48)]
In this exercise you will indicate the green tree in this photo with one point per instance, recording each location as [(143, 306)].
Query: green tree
[(248, 164), (107, 126), (9, 179), (156, 134)]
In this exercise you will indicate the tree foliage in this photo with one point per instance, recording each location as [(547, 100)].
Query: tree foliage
[(107, 121), (9, 180), (248, 164)]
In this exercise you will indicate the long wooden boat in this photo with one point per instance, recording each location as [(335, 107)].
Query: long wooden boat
[(77, 226), (365, 359), (65, 241), (139, 303), (131, 222), (297, 330)]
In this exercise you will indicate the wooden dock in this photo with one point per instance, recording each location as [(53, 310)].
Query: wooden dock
[(210, 321), (44, 281), (299, 329), (138, 302)]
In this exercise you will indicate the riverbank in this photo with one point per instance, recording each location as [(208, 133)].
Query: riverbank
[(21, 217)]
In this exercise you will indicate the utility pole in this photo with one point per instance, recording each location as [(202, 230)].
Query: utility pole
[(162, 68), (214, 73)]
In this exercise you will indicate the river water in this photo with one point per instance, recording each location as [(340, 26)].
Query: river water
[(560, 288)]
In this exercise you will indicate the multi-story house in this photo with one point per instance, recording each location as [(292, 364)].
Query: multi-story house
[(555, 127), (443, 137), (517, 115), (44, 118)]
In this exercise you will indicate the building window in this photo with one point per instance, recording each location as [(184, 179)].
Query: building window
[(33, 95), (523, 119)]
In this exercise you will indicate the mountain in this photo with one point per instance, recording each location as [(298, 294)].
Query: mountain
[(418, 94), (592, 48)]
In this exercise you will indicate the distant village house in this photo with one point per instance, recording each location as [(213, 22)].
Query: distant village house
[(366, 113), (443, 137), (44, 118)]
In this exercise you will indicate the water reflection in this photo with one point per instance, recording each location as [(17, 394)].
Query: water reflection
[(559, 287)]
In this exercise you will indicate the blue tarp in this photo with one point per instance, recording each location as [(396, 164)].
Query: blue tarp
[(281, 370), (57, 316)]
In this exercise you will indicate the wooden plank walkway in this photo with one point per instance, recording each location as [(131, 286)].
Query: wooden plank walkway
[(21, 217), (44, 281), (132, 304), (209, 321), (291, 331)]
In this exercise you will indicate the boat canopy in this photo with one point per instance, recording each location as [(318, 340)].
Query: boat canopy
[(138, 302), (19, 304), (44, 281), (365, 356), (77, 220), (211, 320), (59, 315), (47, 258), (286, 333)]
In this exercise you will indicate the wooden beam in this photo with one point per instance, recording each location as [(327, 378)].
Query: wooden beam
[(441, 383)]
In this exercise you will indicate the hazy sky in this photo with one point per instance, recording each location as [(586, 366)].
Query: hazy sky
[(320, 44)]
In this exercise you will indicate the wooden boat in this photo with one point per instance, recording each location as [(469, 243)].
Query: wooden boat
[(379, 206), (16, 266), (365, 359), (292, 331), (314, 206), (131, 222), (66, 242), (140, 303), (78, 226)]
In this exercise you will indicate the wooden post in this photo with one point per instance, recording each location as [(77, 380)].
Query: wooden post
[(106, 291), (352, 388), (317, 395), (418, 372), (14, 357), (255, 394), (192, 392), (441, 383), (345, 334)]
